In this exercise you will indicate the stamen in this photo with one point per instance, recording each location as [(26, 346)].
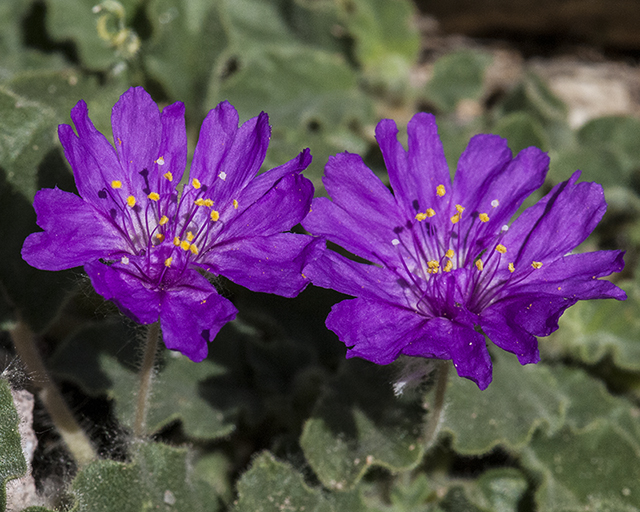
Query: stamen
[(125, 260), (235, 204), (511, 268), (501, 248), (460, 208), (448, 266), (167, 262), (222, 176), (421, 216), (160, 161), (495, 203), (434, 266), (449, 254), (536, 264), (456, 218), (196, 183), (395, 241), (160, 237), (116, 184), (154, 196), (194, 249), (479, 265), (168, 175), (440, 190), (483, 217), (131, 201), (163, 220), (190, 236), (176, 241), (214, 215), (184, 245), (204, 202)]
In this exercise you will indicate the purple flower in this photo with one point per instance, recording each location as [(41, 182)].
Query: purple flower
[(447, 268), (144, 244)]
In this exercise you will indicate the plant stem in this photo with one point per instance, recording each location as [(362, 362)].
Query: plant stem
[(435, 414), (146, 376), (24, 341)]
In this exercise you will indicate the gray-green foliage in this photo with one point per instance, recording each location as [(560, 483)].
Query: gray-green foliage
[(275, 418)]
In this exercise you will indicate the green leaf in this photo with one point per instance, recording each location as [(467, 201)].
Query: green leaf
[(591, 330), (595, 469), (312, 99), (102, 358), (358, 423), (597, 164), (617, 134), (387, 41), (521, 131), (534, 97), (270, 485), (12, 463), (518, 401), (498, 490), (457, 76), (158, 478), (75, 20), (187, 45)]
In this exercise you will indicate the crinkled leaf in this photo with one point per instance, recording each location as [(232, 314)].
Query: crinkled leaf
[(358, 423), (176, 396), (618, 134), (103, 357), (599, 165), (498, 490), (595, 469), (12, 463), (518, 401), (457, 76), (270, 485), (534, 97), (590, 330), (158, 478)]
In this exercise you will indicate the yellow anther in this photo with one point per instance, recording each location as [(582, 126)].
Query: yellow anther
[(190, 236), (196, 183), (421, 216), (167, 262), (193, 249), (430, 212), (434, 266), (536, 264), (449, 254), (456, 218), (459, 208), (483, 217), (160, 237), (160, 161), (440, 190), (214, 215), (204, 202), (184, 245), (479, 265), (199, 202), (235, 204), (116, 184), (163, 220), (448, 266), (131, 201), (168, 175), (154, 196), (511, 268), (501, 248), (176, 241)]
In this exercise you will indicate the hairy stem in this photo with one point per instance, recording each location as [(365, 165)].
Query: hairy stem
[(24, 341), (435, 414), (146, 376)]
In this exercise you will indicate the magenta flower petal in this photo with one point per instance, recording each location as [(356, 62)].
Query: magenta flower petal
[(269, 264), (446, 268), (142, 240), (74, 232)]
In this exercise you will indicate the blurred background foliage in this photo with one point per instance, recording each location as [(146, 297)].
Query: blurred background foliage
[(275, 418)]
